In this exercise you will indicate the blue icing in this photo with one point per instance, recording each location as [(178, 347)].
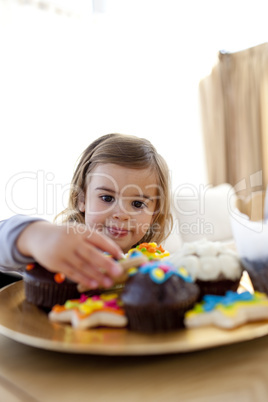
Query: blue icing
[(147, 268), (167, 269), (135, 253), (154, 275), (170, 273), (211, 301)]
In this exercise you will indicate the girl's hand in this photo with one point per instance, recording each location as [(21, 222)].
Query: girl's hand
[(73, 250)]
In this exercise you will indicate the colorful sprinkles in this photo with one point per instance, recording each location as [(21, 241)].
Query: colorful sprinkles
[(59, 277), (87, 312), (151, 250), (161, 271), (29, 267), (86, 306)]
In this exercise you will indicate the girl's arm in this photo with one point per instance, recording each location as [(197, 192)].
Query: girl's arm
[(70, 249), (10, 258), (73, 250)]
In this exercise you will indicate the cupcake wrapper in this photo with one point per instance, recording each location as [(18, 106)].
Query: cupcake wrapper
[(153, 319), (47, 295)]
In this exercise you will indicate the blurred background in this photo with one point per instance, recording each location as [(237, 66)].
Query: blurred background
[(73, 70)]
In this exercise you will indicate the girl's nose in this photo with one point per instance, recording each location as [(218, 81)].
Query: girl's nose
[(121, 214)]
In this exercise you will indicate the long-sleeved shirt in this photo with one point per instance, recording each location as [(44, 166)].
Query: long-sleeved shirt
[(10, 258)]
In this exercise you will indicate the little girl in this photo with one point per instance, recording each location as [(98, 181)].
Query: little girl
[(119, 198)]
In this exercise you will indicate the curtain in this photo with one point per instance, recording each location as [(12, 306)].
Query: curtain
[(234, 114)]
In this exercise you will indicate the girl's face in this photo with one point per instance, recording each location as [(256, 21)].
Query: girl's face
[(120, 202)]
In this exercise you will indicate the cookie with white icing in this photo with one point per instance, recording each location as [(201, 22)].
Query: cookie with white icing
[(229, 311), (88, 312)]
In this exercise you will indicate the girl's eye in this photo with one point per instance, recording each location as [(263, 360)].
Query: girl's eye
[(107, 198), (138, 204)]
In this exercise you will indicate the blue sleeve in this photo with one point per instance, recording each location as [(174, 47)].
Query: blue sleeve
[(10, 258)]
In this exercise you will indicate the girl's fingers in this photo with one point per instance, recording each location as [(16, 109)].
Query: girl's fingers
[(75, 275), (77, 252), (104, 243), (93, 257), (90, 278)]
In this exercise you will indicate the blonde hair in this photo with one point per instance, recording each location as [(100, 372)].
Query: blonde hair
[(127, 151)]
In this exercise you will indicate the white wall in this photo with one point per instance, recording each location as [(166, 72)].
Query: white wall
[(133, 69)]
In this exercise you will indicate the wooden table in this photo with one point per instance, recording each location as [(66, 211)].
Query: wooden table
[(237, 372)]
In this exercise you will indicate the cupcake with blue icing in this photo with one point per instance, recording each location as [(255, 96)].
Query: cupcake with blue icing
[(157, 295)]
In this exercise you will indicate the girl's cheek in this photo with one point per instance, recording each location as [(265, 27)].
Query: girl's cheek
[(95, 209), (92, 219)]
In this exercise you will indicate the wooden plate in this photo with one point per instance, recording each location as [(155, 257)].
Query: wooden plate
[(25, 323)]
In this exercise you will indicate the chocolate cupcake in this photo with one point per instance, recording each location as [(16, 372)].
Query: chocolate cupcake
[(156, 297), (45, 289)]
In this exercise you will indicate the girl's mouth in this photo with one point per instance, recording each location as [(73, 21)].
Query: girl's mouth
[(117, 232)]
